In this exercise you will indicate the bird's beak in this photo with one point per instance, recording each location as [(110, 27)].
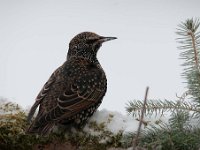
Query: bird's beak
[(105, 39)]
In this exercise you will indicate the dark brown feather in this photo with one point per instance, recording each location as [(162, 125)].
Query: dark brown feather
[(42, 94), (70, 93), (75, 90)]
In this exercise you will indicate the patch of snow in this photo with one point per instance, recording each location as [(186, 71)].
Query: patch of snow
[(115, 121), (8, 107)]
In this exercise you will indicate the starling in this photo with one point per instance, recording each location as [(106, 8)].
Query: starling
[(75, 90)]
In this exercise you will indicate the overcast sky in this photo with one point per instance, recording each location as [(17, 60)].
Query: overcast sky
[(34, 37)]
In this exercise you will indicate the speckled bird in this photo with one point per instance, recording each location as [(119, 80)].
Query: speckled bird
[(75, 90)]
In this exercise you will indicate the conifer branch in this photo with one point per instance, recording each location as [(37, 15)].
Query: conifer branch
[(190, 45), (158, 106), (194, 48)]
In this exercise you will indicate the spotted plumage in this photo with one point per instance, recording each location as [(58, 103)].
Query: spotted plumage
[(75, 90)]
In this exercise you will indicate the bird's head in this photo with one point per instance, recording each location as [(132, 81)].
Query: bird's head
[(86, 45)]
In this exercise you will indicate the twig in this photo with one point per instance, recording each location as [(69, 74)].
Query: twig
[(135, 140), (195, 49)]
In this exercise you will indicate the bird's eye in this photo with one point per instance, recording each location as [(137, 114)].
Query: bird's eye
[(97, 46), (91, 41)]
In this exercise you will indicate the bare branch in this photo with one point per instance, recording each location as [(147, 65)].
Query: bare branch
[(135, 140)]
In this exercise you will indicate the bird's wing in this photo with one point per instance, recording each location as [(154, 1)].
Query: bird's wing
[(42, 94), (84, 92)]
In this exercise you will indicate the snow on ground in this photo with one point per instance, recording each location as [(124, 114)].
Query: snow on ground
[(115, 121), (7, 107)]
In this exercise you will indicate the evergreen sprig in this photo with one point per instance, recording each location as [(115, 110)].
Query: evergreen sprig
[(159, 107), (178, 134), (190, 46)]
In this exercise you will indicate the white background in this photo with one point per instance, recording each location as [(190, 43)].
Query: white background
[(34, 37)]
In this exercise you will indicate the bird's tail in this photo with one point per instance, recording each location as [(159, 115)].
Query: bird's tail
[(40, 129), (32, 111)]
